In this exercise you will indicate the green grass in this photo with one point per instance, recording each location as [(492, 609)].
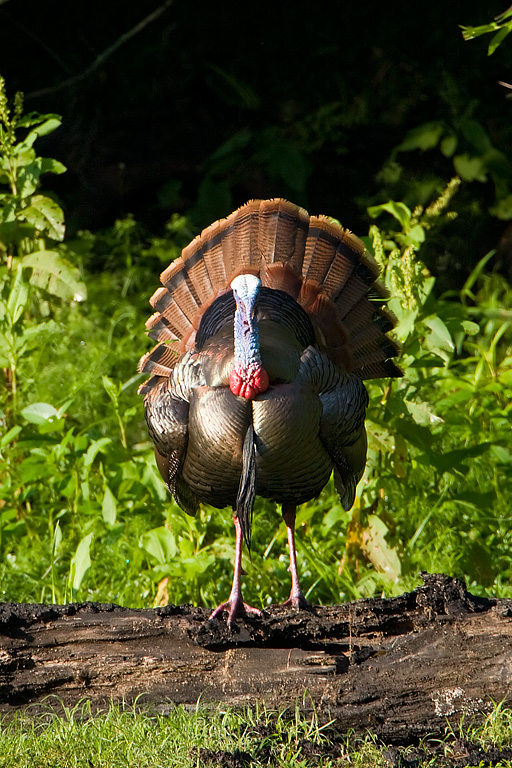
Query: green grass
[(131, 737), (53, 736)]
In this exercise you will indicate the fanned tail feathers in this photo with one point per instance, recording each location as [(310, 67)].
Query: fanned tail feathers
[(313, 259)]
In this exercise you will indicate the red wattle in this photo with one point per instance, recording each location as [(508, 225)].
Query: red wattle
[(250, 384)]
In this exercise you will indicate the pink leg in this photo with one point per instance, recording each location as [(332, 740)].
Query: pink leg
[(296, 599), (234, 603)]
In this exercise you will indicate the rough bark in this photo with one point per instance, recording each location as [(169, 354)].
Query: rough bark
[(399, 667)]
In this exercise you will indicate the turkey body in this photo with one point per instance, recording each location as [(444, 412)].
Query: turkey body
[(278, 319), (309, 412)]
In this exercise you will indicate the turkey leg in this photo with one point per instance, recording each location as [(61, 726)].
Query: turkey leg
[(234, 604), (296, 599)]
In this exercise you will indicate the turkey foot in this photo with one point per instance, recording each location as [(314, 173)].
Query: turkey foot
[(234, 604), (297, 601)]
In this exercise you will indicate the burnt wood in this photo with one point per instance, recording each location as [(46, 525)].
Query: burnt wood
[(401, 667)]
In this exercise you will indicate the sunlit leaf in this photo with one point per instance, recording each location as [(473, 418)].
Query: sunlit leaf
[(422, 413), (399, 210), (470, 168), (373, 543), (80, 563), (55, 274), (469, 33), (38, 413), (48, 126), (498, 38), (110, 388), (503, 454), (96, 447), (49, 165), (46, 215), (18, 297), (9, 436), (109, 506), (160, 543)]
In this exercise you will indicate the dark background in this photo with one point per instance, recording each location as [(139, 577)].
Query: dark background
[(210, 104)]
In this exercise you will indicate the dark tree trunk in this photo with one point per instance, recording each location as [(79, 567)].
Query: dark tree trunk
[(399, 667)]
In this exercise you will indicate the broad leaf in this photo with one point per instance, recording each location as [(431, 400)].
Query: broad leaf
[(39, 413), (80, 562), (498, 38), (422, 413), (470, 168), (160, 543), (43, 129), (373, 543), (47, 216), (17, 297), (399, 210), (423, 136), (49, 165), (94, 449), (55, 274), (109, 507)]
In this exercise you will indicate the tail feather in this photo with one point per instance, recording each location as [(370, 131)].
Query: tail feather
[(282, 277), (366, 313), (159, 329), (180, 288), (160, 361), (197, 267), (340, 269), (321, 248), (247, 239), (324, 267), (168, 307), (366, 337), (286, 233), (215, 245), (385, 369), (375, 351), (177, 275), (349, 255), (362, 283)]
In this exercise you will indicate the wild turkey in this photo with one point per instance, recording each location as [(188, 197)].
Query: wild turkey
[(267, 323)]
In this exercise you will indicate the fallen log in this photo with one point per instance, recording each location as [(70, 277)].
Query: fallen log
[(400, 667)]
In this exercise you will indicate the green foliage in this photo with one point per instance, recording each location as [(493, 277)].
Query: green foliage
[(83, 511), (501, 27), (54, 474), (474, 156), (438, 448), (30, 226), (85, 514), (59, 736)]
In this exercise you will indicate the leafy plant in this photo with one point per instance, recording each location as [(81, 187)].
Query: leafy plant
[(30, 223), (501, 27), (427, 451), (475, 158)]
